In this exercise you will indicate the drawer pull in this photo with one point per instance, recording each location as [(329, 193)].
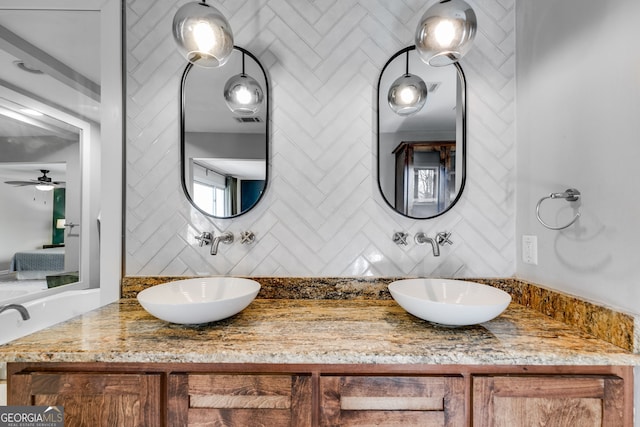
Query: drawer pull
[(239, 402), (367, 403)]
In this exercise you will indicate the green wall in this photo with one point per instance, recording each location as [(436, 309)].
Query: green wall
[(57, 234)]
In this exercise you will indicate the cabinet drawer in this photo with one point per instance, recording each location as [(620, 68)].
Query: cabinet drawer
[(407, 401), (239, 400)]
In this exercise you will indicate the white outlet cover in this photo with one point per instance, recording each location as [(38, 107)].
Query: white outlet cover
[(530, 249)]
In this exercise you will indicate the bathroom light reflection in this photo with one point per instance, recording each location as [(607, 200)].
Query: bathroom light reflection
[(445, 32), (204, 36)]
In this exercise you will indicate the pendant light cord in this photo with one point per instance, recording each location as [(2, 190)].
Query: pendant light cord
[(407, 73)]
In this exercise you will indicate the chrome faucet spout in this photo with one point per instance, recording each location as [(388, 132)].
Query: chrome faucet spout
[(422, 238), (434, 246), (20, 308), (225, 238)]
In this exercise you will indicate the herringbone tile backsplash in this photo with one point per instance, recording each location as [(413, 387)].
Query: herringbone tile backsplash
[(322, 214)]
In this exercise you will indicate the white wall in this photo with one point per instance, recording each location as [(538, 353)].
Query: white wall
[(578, 120), (322, 213), (578, 110), (25, 220)]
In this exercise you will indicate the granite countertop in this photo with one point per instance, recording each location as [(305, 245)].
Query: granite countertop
[(315, 331)]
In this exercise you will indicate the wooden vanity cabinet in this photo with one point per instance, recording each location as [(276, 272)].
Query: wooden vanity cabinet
[(192, 394), (392, 401), (585, 401), (92, 398)]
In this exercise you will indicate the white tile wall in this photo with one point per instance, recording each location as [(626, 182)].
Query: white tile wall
[(322, 214)]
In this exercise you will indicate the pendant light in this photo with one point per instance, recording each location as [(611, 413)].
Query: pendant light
[(446, 32), (203, 34), (243, 93), (408, 93)]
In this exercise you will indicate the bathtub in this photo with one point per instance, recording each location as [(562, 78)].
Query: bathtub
[(47, 311)]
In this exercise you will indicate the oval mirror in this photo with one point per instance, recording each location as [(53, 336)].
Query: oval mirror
[(421, 155), (224, 152)]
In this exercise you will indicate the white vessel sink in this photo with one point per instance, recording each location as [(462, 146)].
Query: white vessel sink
[(449, 302), (200, 300)]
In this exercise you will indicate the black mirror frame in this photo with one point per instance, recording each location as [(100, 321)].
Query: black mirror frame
[(183, 164), (463, 86)]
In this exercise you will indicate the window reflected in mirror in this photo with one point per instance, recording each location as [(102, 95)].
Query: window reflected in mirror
[(425, 177)]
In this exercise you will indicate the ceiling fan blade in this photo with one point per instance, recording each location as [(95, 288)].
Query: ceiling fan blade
[(21, 183)]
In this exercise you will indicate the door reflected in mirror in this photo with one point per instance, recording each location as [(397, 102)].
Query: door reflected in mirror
[(421, 156), (224, 152)]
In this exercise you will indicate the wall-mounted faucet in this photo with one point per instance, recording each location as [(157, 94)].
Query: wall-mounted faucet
[(20, 308), (206, 238), (442, 238), (421, 238), (225, 238)]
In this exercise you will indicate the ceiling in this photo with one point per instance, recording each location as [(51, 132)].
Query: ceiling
[(31, 171), (61, 43)]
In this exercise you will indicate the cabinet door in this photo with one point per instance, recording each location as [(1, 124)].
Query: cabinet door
[(92, 399), (549, 401), (239, 400), (392, 401)]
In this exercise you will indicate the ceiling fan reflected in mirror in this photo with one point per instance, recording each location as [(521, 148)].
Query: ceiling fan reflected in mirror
[(42, 183)]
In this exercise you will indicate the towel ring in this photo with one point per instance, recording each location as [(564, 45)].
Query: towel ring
[(570, 195)]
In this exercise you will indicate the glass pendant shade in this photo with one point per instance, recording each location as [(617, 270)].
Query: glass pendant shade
[(243, 94), (203, 35), (407, 94), (446, 32)]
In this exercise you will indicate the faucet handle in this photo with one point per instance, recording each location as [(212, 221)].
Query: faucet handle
[(204, 238), (443, 238), (400, 238), (247, 237)]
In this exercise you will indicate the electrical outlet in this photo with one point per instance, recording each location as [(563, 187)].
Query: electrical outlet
[(530, 250)]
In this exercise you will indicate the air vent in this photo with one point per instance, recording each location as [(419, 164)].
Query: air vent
[(249, 119), (433, 86)]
